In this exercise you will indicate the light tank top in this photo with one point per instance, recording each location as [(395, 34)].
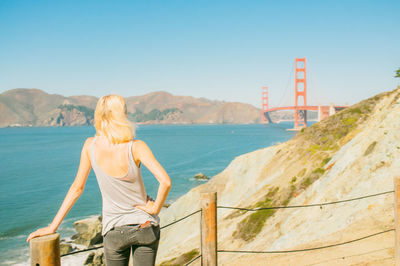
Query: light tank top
[(119, 195)]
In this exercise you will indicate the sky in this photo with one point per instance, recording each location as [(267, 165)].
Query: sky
[(221, 50)]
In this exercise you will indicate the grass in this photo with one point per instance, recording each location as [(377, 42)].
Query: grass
[(249, 227), (315, 174), (182, 259), (325, 161), (302, 172), (370, 148), (313, 148), (325, 135)]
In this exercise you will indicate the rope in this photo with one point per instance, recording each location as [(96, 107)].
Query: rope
[(79, 251), (304, 206), (349, 256), (193, 260), (306, 249), (93, 248), (181, 219)]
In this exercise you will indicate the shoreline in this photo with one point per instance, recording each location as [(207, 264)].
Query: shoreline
[(152, 124)]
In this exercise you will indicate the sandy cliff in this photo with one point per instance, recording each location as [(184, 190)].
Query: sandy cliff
[(352, 154)]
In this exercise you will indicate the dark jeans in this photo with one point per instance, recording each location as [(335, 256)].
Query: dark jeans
[(119, 241)]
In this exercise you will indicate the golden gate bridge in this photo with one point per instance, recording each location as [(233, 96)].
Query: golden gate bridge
[(300, 107)]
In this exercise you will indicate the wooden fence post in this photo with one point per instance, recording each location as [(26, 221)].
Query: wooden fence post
[(45, 250), (208, 229), (396, 220)]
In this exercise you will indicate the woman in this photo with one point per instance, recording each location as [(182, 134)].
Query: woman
[(130, 220)]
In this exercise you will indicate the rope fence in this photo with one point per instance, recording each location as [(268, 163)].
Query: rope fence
[(208, 231), (181, 219), (193, 260), (100, 246), (305, 206), (306, 249)]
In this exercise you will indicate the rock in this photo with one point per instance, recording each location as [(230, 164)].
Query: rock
[(65, 248), (95, 258), (89, 231), (201, 176)]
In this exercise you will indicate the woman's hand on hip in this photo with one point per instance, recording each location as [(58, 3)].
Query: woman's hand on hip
[(150, 207), (41, 232)]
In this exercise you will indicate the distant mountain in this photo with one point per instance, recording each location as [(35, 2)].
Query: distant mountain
[(34, 107)]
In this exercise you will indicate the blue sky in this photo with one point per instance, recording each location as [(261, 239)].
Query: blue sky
[(225, 50)]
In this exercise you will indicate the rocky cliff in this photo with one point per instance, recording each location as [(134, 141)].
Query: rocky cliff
[(351, 154)]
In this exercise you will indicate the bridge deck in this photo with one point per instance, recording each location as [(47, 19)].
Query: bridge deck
[(309, 108)]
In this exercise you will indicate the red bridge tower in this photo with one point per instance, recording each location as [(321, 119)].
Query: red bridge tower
[(300, 115), (264, 105)]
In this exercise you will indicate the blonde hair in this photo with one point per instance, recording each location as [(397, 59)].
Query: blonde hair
[(111, 119)]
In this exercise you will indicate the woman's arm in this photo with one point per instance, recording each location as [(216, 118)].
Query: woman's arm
[(73, 194), (143, 153)]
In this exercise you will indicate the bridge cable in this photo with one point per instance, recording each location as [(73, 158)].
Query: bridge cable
[(282, 99), (318, 91)]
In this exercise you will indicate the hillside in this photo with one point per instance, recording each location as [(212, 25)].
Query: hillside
[(351, 154), (34, 107)]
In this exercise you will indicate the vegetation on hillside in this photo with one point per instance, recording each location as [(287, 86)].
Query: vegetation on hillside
[(153, 115), (313, 149), (88, 112), (182, 259)]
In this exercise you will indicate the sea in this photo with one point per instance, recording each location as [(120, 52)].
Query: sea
[(38, 165)]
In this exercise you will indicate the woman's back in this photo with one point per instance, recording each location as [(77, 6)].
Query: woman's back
[(120, 183), (113, 159)]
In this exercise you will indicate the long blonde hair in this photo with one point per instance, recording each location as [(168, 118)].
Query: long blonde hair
[(111, 119)]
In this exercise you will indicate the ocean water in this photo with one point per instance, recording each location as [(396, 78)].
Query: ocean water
[(38, 165)]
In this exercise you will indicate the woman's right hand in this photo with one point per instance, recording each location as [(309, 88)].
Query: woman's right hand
[(150, 207), (41, 232)]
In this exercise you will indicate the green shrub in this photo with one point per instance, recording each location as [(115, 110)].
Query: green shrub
[(249, 227), (88, 112), (182, 259), (325, 161), (370, 148)]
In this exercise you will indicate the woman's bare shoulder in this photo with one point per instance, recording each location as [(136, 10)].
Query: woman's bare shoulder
[(87, 143), (139, 146)]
